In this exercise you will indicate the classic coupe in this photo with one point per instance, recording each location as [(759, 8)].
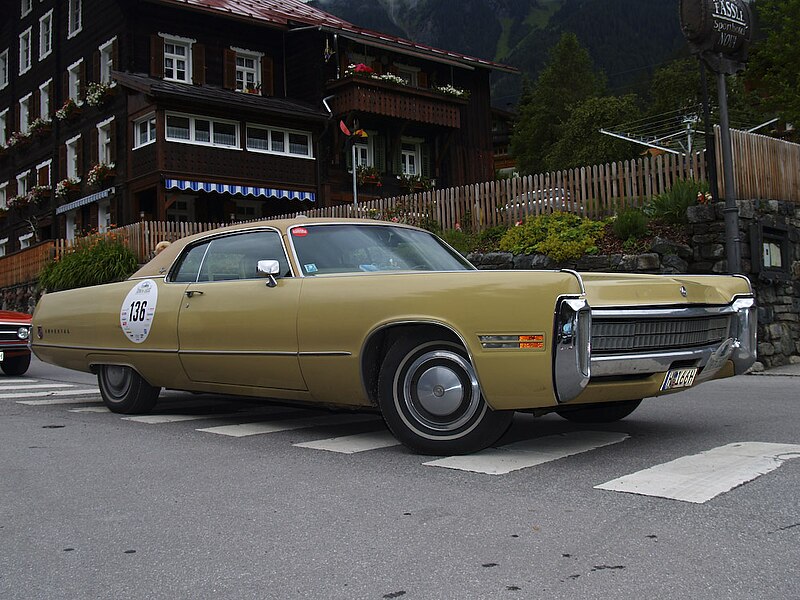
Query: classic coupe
[(370, 315), (15, 351)]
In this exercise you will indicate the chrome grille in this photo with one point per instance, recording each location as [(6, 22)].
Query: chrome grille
[(9, 334), (643, 335)]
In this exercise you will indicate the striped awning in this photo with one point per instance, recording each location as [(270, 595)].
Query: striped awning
[(85, 200), (244, 190)]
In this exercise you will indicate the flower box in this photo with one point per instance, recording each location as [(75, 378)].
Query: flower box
[(70, 110), (68, 186), (98, 94), (99, 173)]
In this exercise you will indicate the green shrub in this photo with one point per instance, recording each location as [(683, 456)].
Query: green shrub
[(561, 236), (630, 223), (93, 262), (671, 205), (466, 242)]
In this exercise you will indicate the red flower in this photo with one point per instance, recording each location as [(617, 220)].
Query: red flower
[(362, 68)]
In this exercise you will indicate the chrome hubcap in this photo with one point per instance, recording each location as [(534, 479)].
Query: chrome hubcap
[(440, 390), (118, 379)]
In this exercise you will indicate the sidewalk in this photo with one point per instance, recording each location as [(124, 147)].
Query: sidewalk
[(790, 370)]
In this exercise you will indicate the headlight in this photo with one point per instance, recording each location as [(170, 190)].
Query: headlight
[(23, 333)]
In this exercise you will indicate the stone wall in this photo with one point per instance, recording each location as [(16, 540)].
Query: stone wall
[(778, 300)]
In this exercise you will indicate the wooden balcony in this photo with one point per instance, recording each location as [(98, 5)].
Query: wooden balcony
[(366, 95)]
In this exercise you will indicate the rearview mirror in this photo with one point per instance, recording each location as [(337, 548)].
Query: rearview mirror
[(269, 268)]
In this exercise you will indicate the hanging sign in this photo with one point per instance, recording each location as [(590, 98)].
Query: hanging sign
[(717, 26)]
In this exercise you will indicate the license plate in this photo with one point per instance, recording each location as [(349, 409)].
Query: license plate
[(679, 378), (2, 356)]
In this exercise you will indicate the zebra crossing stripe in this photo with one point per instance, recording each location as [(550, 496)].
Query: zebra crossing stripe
[(36, 386), (89, 409), (350, 444), (264, 427), (159, 419), (529, 453), (4, 380), (52, 399), (700, 477)]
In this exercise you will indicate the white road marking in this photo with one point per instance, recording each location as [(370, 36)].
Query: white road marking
[(701, 477), (52, 399), (263, 427), (529, 453), (90, 409), (4, 380), (159, 419), (350, 444), (36, 386)]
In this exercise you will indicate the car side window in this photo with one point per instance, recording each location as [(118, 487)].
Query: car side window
[(233, 257)]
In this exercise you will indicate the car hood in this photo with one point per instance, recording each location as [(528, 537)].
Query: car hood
[(9, 316), (613, 289)]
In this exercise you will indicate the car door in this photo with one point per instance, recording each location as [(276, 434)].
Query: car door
[(232, 328)]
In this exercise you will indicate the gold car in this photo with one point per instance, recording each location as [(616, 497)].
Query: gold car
[(365, 314)]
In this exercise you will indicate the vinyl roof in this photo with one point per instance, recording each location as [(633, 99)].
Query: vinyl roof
[(295, 14)]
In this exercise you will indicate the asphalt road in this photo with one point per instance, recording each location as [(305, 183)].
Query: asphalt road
[(95, 506)]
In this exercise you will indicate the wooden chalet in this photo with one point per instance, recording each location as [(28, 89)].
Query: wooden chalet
[(114, 111)]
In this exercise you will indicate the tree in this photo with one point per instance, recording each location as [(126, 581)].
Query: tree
[(773, 69), (567, 79), (581, 143), (675, 86)]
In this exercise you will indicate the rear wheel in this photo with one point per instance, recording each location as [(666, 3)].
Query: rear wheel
[(431, 400), (607, 412), (16, 365), (124, 391)]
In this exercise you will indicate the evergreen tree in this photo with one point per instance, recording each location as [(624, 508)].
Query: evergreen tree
[(567, 79)]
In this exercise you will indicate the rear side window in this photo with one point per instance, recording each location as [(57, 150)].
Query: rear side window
[(231, 257)]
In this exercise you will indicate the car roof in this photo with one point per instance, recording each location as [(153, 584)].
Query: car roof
[(160, 264)]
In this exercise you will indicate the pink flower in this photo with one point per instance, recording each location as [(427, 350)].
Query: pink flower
[(458, 226), (518, 223), (362, 68), (395, 220)]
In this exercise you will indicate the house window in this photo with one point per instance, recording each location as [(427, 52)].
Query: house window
[(107, 60), (363, 153), (248, 70), (22, 183), (409, 74), (25, 51), (204, 131), (70, 225), (4, 196), (27, 7), (177, 59), (103, 216), (3, 69), (74, 77), (75, 22), (144, 131), (279, 141), (25, 241), (44, 100), (46, 34), (3, 122), (24, 113), (105, 143), (3, 243), (72, 156), (43, 173), (410, 158)]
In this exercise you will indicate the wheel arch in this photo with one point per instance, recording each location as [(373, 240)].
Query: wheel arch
[(378, 342)]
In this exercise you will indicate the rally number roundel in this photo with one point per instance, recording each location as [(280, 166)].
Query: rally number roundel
[(138, 310)]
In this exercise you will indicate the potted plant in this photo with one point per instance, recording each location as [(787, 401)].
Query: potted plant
[(99, 173), (19, 139), (69, 110), (368, 175), (67, 186), (41, 127), (98, 94), (18, 202), (40, 194), (253, 88)]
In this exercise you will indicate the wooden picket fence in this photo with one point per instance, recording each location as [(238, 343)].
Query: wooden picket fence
[(764, 169)]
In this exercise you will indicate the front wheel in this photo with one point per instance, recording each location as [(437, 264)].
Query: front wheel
[(606, 412), (124, 391), (16, 365), (429, 396)]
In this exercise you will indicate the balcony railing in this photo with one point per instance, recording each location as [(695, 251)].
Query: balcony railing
[(378, 97)]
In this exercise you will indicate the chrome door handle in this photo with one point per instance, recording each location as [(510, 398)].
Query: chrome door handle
[(190, 293)]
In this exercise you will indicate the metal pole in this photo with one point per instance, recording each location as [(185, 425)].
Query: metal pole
[(355, 181), (711, 150), (731, 211)]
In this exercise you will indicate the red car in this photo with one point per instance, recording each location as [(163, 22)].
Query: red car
[(15, 348)]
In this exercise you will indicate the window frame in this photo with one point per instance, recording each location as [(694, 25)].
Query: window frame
[(176, 40), (286, 133), (106, 50), (25, 240), (25, 113), (46, 18), (4, 195), (3, 125), (105, 145), (22, 183), (45, 101), (193, 131), (22, 11), (154, 131), (4, 70), (74, 29), (26, 35), (74, 82), (256, 70), (72, 157), (416, 152)]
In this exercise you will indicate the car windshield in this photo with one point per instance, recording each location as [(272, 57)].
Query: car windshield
[(351, 248)]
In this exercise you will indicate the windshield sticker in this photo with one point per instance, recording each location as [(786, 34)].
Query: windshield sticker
[(137, 311), (310, 268), (300, 232)]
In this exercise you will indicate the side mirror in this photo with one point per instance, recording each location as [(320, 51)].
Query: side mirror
[(269, 268)]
